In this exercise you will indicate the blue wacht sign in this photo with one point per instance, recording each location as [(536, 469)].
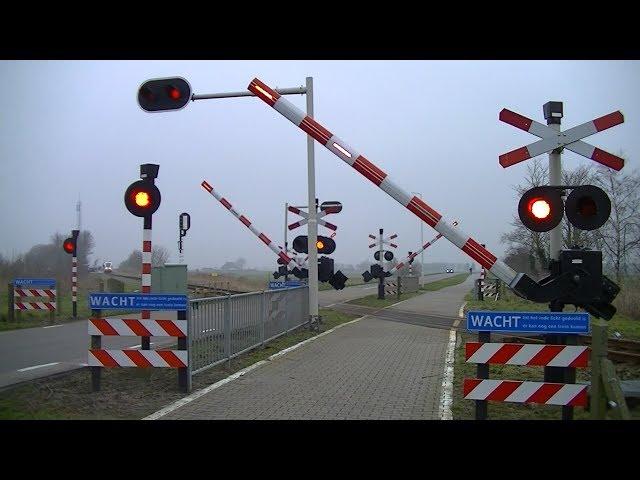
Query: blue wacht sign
[(34, 282), (137, 301), (532, 322)]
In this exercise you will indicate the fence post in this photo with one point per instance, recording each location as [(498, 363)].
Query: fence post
[(227, 328), (263, 319), (10, 302), (96, 344)]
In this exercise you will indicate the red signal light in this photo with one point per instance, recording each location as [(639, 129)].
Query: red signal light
[(539, 208), (68, 245), (173, 92), (142, 198)]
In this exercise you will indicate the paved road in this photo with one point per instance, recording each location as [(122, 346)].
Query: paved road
[(332, 297), (369, 369), (51, 349)]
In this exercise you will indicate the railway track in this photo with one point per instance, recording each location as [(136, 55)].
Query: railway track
[(195, 287)]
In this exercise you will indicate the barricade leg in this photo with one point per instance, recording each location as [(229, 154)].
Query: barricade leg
[(96, 343)]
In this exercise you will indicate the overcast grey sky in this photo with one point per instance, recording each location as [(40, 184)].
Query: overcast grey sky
[(73, 129)]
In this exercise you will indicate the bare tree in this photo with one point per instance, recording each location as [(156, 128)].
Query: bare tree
[(620, 236), (159, 256)]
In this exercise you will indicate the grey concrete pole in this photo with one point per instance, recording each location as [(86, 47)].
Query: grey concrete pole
[(313, 225)]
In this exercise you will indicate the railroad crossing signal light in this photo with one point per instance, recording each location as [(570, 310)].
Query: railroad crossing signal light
[(338, 280), (325, 245), (388, 256), (411, 259), (587, 207), (69, 245), (541, 208), (142, 198), (162, 94)]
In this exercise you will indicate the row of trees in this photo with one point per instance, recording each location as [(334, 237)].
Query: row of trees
[(49, 260), (619, 238)]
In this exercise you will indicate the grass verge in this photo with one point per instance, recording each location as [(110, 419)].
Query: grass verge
[(465, 409), (130, 393), (508, 301)]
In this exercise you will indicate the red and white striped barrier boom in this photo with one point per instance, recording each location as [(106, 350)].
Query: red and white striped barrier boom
[(138, 358), (525, 392), (415, 254), (379, 178), (247, 223), (527, 354)]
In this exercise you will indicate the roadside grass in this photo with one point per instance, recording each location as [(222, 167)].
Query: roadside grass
[(465, 409), (372, 300), (445, 282), (131, 393), (508, 301)]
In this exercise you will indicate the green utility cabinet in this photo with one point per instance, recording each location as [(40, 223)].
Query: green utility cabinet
[(169, 278)]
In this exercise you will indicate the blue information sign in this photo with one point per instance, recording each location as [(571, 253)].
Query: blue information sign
[(288, 284), (137, 301), (34, 282), (534, 322)]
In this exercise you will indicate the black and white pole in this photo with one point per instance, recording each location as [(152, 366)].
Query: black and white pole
[(74, 274)]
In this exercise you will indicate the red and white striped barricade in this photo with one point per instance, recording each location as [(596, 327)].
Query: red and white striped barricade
[(139, 327), (546, 393), (37, 294)]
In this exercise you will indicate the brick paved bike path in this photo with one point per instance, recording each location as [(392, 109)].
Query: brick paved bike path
[(370, 369)]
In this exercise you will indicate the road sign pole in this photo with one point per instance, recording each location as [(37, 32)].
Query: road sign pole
[(598, 405), (313, 224), (96, 344), (482, 371)]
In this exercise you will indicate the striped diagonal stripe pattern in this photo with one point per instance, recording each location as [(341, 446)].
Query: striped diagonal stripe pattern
[(137, 328), (418, 252), (525, 392), (379, 178), (34, 292), (247, 223), (138, 358), (34, 306), (527, 354)]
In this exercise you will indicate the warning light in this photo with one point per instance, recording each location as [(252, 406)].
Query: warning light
[(142, 198), (325, 245), (68, 245), (540, 208), (163, 94), (588, 207)]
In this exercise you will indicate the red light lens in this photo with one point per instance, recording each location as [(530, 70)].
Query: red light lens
[(174, 93), (68, 247), (539, 208)]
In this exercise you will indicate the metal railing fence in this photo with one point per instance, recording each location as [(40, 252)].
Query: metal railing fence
[(221, 328)]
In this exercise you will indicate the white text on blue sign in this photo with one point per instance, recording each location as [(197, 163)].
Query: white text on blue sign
[(533, 322)]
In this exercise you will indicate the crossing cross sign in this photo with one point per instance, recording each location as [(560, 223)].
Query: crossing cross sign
[(570, 139)]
